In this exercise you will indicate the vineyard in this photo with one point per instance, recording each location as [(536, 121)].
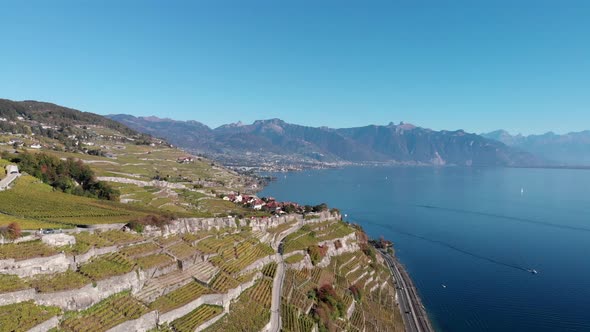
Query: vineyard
[(223, 282), (120, 238), (261, 292), (155, 261), (296, 258), (32, 199), (181, 251), (107, 266), (269, 270), (25, 250), (32, 224), (25, 315), (245, 315), (105, 314), (11, 283), (140, 250), (195, 318), (179, 297), (59, 282), (293, 321), (219, 243), (232, 260)]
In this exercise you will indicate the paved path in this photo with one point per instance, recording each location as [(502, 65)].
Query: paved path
[(413, 313), (277, 289), (4, 183)]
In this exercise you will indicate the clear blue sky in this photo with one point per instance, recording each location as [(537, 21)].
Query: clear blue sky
[(476, 65)]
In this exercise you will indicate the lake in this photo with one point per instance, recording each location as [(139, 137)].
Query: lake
[(478, 231)]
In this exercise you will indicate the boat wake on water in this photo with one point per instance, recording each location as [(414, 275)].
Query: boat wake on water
[(463, 251), (536, 222)]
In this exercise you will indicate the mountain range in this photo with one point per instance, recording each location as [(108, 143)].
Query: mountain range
[(571, 149), (393, 143)]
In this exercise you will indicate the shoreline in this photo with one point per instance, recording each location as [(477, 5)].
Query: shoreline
[(413, 312)]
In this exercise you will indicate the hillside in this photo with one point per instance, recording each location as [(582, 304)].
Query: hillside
[(265, 141), (178, 246), (571, 149)]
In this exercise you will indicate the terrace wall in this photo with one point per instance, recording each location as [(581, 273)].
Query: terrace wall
[(89, 295), (46, 325), (18, 296), (143, 323), (192, 225), (33, 266), (209, 323), (348, 245)]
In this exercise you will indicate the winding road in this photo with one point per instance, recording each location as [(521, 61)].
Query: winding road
[(277, 289)]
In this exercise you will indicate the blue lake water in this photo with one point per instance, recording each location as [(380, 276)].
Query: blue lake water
[(477, 231)]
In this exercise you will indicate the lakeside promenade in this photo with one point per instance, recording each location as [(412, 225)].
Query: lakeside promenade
[(413, 312)]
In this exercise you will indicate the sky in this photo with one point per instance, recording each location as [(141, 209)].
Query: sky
[(523, 66)]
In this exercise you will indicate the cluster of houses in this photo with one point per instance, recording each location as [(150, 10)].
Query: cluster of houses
[(20, 143), (266, 204)]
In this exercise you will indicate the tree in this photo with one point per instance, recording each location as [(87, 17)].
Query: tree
[(13, 231)]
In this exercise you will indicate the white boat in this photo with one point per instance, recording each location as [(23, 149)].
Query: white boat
[(521, 191), (444, 286), (533, 271)]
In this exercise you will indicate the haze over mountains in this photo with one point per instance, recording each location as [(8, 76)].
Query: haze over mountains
[(401, 143), (567, 149)]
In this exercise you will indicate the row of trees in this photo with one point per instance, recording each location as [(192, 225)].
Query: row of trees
[(70, 176)]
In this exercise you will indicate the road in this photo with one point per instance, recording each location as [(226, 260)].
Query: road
[(4, 183), (277, 289), (413, 313)]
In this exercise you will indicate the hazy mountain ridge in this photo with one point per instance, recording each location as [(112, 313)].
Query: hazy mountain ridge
[(402, 143), (568, 149), (49, 114)]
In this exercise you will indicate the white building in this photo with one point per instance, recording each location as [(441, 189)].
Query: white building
[(11, 169)]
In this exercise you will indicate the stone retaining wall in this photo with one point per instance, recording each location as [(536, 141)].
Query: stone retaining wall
[(142, 324), (46, 325), (33, 266)]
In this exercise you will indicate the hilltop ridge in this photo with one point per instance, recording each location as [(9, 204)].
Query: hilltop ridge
[(274, 140)]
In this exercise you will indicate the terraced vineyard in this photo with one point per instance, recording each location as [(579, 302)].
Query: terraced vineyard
[(223, 282), (190, 322), (105, 314), (60, 281), (107, 266), (31, 199), (269, 270), (155, 261), (25, 315), (293, 321), (26, 250), (262, 291), (181, 250), (140, 250), (179, 297), (296, 258), (245, 314), (232, 260), (11, 283)]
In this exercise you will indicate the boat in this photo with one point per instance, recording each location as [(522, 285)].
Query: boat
[(521, 191), (533, 271), (444, 286)]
